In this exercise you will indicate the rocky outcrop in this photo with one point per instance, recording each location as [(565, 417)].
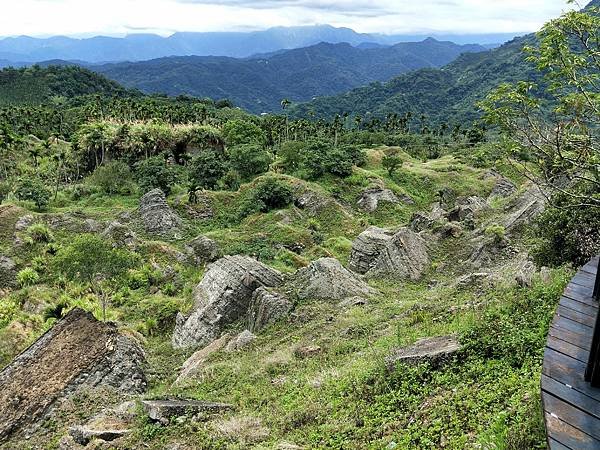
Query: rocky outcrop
[(163, 411), (157, 217), (434, 350), (202, 250), (111, 424), (242, 340), (78, 352), (421, 221), (8, 272), (195, 363), (120, 235), (367, 248), (222, 297), (371, 198), (525, 209), (267, 307), (404, 256), (327, 279), (503, 188)]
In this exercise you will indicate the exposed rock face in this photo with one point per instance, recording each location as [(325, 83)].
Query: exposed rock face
[(8, 272), (434, 350), (525, 209), (370, 199), (194, 364), (524, 277), (157, 216), (267, 307), (109, 425), (244, 339), (421, 221), (447, 198), (312, 202), (24, 222), (367, 248), (120, 235), (404, 256), (503, 188), (467, 210), (223, 296), (163, 411), (78, 352), (327, 279), (202, 250)]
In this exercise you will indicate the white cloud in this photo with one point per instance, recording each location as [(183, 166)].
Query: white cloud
[(77, 17)]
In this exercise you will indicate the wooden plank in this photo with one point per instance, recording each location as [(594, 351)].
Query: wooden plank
[(571, 396), (573, 416), (568, 324), (576, 316), (569, 371), (568, 349), (590, 310), (555, 445), (569, 436), (583, 291), (578, 296), (583, 341)]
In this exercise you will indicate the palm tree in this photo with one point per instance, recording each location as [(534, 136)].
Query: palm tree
[(285, 103)]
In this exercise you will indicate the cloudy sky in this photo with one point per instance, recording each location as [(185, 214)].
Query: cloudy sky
[(115, 17)]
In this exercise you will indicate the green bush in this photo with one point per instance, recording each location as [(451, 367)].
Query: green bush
[(496, 232), (391, 161), (321, 157), (268, 194), (113, 177), (290, 154), (155, 173), (33, 190), (249, 159), (206, 170), (27, 277), (238, 132), (5, 189), (39, 232)]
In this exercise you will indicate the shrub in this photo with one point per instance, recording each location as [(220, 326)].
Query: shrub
[(391, 161), (497, 232), (155, 173), (291, 155), (320, 157), (238, 132), (232, 180), (5, 189), (33, 190), (112, 178), (39, 232), (268, 194), (27, 277), (249, 159), (206, 169)]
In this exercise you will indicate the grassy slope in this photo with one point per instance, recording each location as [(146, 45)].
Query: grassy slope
[(343, 397)]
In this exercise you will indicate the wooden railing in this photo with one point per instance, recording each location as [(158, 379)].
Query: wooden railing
[(592, 372)]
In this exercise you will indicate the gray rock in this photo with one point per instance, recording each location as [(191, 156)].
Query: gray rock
[(434, 350), (163, 411), (120, 235), (421, 221), (24, 222), (222, 297), (366, 249), (353, 301), (8, 272), (370, 199), (267, 307), (92, 226), (447, 198), (472, 278), (327, 279), (195, 363), (202, 250), (157, 217), (311, 201), (83, 434), (525, 209), (503, 187), (404, 256), (79, 352), (468, 209), (242, 340), (524, 277)]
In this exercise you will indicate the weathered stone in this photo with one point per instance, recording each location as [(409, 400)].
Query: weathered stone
[(371, 198), (327, 279), (78, 352), (353, 301), (447, 198), (24, 222), (163, 411), (546, 275), (404, 256), (467, 210), (450, 229), (8, 272), (307, 351), (195, 363), (472, 278), (312, 202), (434, 350), (244, 339), (420, 221), (92, 226), (503, 188), (158, 218), (366, 249), (525, 209), (83, 434), (120, 235), (202, 250), (222, 297), (524, 276), (267, 307)]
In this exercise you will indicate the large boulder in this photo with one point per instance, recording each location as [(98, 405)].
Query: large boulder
[(8, 272), (503, 188), (120, 235), (404, 256), (202, 250), (525, 209), (267, 307), (109, 425), (241, 341), (327, 279), (157, 217), (163, 411), (435, 351), (367, 248), (78, 353), (222, 297), (371, 198), (467, 210)]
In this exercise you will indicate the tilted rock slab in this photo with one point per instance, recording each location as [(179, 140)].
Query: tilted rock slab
[(367, 247), (525, 209), (267, 307), (435, 350), (327, 279), (222, 297), (157, 217), (370, 199), (78, 352)]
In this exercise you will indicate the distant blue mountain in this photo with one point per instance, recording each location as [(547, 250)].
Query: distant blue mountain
[(141, 47)]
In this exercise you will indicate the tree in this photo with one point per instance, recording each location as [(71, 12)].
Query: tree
[(391, 161), (156, 172), (238, 132), (249, 159), (34, 190), (205, 171)]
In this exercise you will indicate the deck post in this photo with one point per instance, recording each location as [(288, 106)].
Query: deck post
[(592, 372)]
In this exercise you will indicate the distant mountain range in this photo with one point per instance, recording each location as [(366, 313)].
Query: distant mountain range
[(259, 84), (141, 47)]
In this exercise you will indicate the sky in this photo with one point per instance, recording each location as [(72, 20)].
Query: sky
[(118, 17)]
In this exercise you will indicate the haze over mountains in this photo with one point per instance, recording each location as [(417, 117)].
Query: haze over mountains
[(140, 47)]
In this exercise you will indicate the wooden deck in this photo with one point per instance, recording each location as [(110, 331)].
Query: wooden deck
[(571, 405)]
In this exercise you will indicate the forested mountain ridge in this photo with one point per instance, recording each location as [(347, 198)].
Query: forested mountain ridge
[(259, 84), (448, 94)]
